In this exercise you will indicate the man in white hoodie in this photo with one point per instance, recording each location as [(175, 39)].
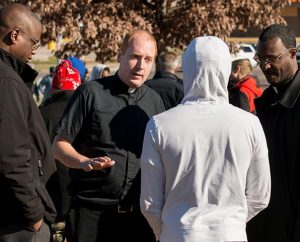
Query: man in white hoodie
[(205, 168)]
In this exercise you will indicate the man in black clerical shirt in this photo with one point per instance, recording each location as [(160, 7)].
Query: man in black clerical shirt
[(100, 138)]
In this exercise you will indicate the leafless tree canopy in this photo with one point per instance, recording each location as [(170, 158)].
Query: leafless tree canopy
[(99, 25)]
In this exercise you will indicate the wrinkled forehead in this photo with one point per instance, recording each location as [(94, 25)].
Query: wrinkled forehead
[(273, 46)]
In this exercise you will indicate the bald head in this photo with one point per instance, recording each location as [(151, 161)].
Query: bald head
[(16, 15), (130, 36), (20, 31)]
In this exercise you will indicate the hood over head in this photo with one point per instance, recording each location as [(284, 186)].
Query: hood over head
[(97, 71), (206, 65)]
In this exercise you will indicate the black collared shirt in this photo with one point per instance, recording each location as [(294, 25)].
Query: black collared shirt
[(103, 118)]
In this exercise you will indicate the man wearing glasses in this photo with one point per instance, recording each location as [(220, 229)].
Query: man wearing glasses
[(26, 160), (35, 43), (279, 112)]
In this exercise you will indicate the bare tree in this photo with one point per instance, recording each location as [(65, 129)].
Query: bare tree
[(99, 25)]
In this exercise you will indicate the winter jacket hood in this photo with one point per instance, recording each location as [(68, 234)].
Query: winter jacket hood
[(97, 71), (206, 66)]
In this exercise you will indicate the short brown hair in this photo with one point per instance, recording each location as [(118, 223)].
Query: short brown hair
[(129, 36)]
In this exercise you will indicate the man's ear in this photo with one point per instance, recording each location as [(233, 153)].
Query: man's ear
[(293, 52), (14, 35)]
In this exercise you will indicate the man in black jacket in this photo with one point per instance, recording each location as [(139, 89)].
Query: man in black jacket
[(26, 160), (279, 112), (165, 82), (100, 137)]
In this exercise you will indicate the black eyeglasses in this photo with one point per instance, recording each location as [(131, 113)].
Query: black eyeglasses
[(270, 59), (36, 44)]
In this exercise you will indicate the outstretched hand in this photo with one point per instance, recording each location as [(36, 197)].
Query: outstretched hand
[(97, 163)]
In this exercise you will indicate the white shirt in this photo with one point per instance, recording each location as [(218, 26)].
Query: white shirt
[(205, 169)]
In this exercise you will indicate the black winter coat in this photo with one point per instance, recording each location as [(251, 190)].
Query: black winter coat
[(168, 86), (52, 110), (26, 161), (279, 114)]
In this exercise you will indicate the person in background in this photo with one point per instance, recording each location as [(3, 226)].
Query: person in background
[(44, 87), (206, 174), (99, 71), (65, 80), (279, 112), (100, 138), (165, 82), (242, 86), (26, 160)]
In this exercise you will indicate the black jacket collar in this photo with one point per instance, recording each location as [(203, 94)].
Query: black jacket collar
[(291, 94), (24, 70)]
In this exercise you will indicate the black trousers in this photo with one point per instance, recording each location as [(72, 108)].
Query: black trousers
[(15, 233), (106, 225)]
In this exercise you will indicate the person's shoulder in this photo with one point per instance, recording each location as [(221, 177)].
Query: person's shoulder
[(100, 82), (179, 81), (149, 82), (97, 87), (170, 114), (7, 72), (13, 81), (46, 78), (238, 115), (157, 82), (163, 77), (150, 92), (94, 84), (164, 84), (266, 96)]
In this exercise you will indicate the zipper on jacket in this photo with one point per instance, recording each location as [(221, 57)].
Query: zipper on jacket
[(40, 167)]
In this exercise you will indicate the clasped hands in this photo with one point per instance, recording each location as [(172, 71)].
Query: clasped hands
[(97, 163)]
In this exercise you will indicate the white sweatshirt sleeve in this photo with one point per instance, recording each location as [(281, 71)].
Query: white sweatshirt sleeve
[(152, 180), (258, 184)]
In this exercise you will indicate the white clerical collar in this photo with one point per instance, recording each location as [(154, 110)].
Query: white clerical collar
[(131, 90), (275, 89)]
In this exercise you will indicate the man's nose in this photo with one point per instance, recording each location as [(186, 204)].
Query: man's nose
[(33, 52), (141, 63), (265, 65)]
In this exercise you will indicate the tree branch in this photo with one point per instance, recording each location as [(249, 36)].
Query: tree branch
[(146, 3)]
